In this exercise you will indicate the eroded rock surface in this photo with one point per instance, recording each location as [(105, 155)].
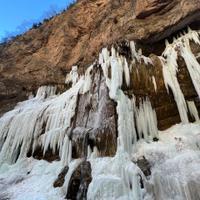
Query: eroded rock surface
[(147, 7)]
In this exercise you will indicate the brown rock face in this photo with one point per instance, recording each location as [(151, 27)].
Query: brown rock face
[(95, 122), (147, 7), (44, 55), (61, 177)]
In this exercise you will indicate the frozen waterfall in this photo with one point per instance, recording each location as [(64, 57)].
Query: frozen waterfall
[(45, 122)]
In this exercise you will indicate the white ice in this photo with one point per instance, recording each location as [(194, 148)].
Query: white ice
[(43, 121), (175, 161), (146, 120), (170, 70), (30, 179), (116, 178), (193, 110)]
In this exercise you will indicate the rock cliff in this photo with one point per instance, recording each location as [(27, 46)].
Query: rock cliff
[(45, 55)]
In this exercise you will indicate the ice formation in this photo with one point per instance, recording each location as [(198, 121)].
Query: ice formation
[(175, 163), (176, 146), (137, 55), (192, 64), (72, 77), (118, 177), (115, 178), (126, 109), (193, 110), (170, 69), (47, 125), (30, 179), (146, 120), (72, 167), (154, 83), (46, 91)]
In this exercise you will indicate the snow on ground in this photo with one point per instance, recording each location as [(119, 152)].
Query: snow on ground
[(30, 179), (175, 161)]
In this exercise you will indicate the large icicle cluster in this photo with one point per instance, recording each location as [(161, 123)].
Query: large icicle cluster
[(43, 121), (145, 116), (108, 181), (181, 47), (146, 120), (170, 69), (118, 177)]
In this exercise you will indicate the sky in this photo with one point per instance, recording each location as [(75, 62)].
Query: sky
[(16, 15)]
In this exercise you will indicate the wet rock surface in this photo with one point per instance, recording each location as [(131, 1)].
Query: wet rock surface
[(144, 165), (95, 122), (61, 177), (79, 182)]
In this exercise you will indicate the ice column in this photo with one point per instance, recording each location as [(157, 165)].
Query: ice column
[(192, 64), (125, 106), (146, 120), (170, 69), (193, 110)]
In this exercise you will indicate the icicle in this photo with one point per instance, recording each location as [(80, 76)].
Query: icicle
[(105, 55), (104, 61), (193, 110), (46, 91), (192, 65), (116, 74), (126, 126), (66, 151), (55, 113), (126, 72), (72, 77), (166, 43), (192, 35), (170, 68), (88, 80), (95, 153), (154, 83), (72, 167), (89, 152), (146, 120), (133, 51)]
